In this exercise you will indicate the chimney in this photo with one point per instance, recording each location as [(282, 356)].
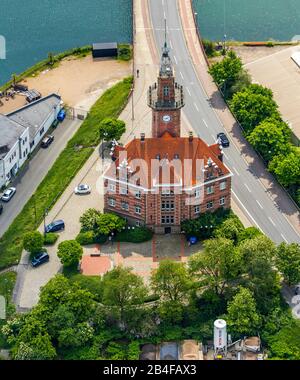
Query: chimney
[(191, 137), (143, 137)]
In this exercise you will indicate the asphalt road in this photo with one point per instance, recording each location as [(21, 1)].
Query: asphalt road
[(247, 190), (35, 170)]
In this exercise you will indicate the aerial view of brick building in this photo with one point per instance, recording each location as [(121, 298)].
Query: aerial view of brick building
[(160, 181)]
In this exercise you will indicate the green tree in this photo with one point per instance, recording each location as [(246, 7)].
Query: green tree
[(69, 252), (260, 90), (242, 81), (270, 138), (217, 267), (108, 223), (89, 220), (209, 48), (124, 290), (249, 233), (285, 344), (230, 229), (171, 281), (242, 316), (251, 108), (226, 72), (287, 168), (33, 242), (288, 262), (111, 129), (260, 276)]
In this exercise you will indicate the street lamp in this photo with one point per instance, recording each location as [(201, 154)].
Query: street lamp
[(45, 214), (105, 134)]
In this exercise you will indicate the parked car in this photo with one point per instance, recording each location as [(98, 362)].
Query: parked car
[(297, 290), (57, 225), (223, 140), (40, 259), (8, 194), (1, 208), (61, 115), (83, 189), (48, 140)]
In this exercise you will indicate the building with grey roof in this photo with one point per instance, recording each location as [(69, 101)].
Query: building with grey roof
[(14, 148), (22, 130)]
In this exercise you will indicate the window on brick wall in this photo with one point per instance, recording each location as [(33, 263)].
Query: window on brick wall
[(198, 193), (112, 202), (167, 205), (138, 210), (197, 209), (167, 219), (125, 206), (112, 187), (222, 201), (210, 205), (209, 190), (166, 91), (124, 190), (138, 195), (138, 223), (223, 185)]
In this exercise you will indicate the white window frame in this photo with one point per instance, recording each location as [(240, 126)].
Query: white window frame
[(138, 210), (223, 185), (222, 201), (210, 205), (210, 190), (112, 202), (197, 209)]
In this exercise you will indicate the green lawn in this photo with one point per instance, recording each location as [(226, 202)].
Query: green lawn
[(67, 165)]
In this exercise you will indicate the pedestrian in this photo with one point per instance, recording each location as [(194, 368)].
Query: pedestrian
[(138, 73)]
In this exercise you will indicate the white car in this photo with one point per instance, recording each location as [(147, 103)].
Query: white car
[(83, 189), (8, 194)]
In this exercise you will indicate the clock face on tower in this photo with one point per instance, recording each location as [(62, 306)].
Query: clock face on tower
[(166, 118)]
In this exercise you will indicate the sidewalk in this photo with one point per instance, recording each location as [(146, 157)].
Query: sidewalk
[(275, 192)]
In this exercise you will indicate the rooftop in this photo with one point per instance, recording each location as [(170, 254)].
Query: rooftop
[(10, 132), (163, 153), (33, 115)]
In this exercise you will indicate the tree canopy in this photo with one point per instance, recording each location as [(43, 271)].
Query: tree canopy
[(33, 242), (288, 262), (69, 252), (111, 129), (287, 168)]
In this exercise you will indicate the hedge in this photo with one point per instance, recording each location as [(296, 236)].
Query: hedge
[(136, 235), (89, 237), (50, 238)]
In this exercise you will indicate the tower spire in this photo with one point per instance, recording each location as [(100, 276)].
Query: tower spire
[(166, 45), (166, 63)]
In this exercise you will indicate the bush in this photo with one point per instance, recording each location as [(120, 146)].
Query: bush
[(209, 48), (124, 52), (50, 238), (136, 235), (89, 237)]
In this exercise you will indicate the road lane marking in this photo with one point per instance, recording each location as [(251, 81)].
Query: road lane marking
[(248, 213), (225, 155), (175, 59), (205, 123), (284, 238), (171, 45), (181, 75), (236, 171), (247, 187), (271, 220), (259, 204), (189, 92), (196, 107)]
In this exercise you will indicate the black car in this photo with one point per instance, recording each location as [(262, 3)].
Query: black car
[(223, 139), (55, 226), (40, 259), (1, 208), (47, 141)]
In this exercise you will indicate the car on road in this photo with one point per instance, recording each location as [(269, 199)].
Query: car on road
[(48, 140), (223, 140), (57, 225), (83, 189), (1, 208), (8, 194), (40, 259)]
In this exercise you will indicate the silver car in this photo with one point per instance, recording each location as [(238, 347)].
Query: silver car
[(83, 189), (8, 194)]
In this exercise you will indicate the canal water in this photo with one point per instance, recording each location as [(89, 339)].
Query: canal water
[(248, 20), (34, 28)]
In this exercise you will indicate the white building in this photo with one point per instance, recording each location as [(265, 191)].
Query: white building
[(38, 116), (14, 148), (22, 130)]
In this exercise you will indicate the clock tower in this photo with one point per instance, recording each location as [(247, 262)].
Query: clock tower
[(166, 98)]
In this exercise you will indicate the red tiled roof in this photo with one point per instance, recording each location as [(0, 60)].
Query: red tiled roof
[(95, 265), (168, 148)]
